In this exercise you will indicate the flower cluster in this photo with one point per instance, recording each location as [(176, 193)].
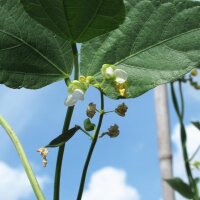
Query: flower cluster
[(191, 80), (76, 91), (118, 75), (111, 72), (77, 88)]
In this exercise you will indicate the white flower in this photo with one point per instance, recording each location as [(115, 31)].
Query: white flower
[(72, 99), (111, 72), (120, 76)]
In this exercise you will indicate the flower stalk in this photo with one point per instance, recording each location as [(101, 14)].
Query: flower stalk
[(93, 144)]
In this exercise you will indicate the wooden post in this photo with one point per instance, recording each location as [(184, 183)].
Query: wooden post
[(164, 142)]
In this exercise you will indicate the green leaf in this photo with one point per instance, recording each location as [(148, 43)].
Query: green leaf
[(77, 20), (63, 138), (156, 44), (88, 125), (196, 124), (181, 187), (30, 55)]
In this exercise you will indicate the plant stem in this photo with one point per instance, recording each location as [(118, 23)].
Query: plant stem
[(180, 114), (87, 162), (65, 128), (60, 155), (37, 190)]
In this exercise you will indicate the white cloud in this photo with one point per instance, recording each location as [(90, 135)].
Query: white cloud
[(110, 184), (14, 185), (193, 141)]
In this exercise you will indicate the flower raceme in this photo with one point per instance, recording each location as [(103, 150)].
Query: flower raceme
[(118, 75)]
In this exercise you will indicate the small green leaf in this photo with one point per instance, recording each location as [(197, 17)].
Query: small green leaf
[(196, 124), (88, 125), (63, 138), (30, 55), (181, 187), (158, 42), (77, 20)]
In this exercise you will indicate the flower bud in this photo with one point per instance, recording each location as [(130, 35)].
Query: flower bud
[(91, 110), (43, 152), (82, 79), (113, 131), (194, 72), (121, 109), (107, 71), (90, 79)]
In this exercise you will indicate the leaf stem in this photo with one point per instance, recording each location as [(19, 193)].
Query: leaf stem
[(36, 188), (180, 114), (87, 162)]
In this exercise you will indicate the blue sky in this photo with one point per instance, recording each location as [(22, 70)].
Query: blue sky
[(129, 162)]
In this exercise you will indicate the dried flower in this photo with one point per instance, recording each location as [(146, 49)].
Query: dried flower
[(43, 152), (121, 109), (91, 110), (113, 131)]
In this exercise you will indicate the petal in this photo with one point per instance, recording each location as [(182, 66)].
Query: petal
[(121, 75), (78, 94), (70, 101)]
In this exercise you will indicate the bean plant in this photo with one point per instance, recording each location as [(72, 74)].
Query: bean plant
[(127, 48)]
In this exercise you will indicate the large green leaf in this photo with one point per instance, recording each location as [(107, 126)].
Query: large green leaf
[(156, 44), (30, 55), (77, 20)]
